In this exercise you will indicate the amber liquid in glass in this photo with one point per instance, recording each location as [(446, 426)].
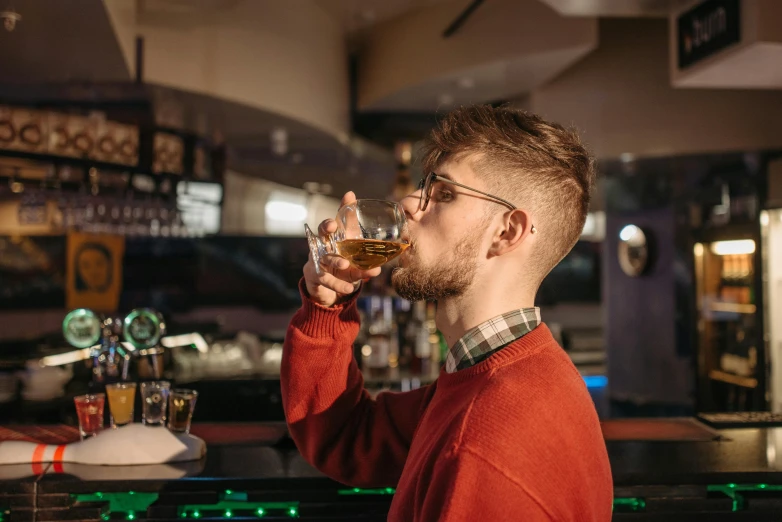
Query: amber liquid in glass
[(369, 253), (180, 412)]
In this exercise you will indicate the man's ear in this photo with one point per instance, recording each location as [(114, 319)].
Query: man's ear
[(516, 229)]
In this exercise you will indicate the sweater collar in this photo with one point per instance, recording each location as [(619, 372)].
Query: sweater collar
[(490, 336)]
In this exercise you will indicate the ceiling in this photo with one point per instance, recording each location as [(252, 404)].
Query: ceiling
[(356, 16), (64, 53), (502, 50), (619, 8), (346, 163), (490, 82), (180, 13)]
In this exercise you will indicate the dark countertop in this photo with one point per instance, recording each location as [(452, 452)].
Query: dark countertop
[(266, 470), (741, 455), (749, 454)]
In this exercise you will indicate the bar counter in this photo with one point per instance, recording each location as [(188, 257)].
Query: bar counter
[(672, 469)]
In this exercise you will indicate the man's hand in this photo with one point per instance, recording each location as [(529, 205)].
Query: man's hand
[(337, 277)]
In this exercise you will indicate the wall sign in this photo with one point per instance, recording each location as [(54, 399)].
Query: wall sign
[(707, 29), (94, 271)]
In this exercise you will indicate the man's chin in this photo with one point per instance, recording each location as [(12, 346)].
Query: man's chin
[(406, 286)]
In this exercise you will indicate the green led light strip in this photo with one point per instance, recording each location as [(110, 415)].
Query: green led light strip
[(734, 491), (629, 504), (360, 491), (232, 509), (232, 504), (128, 503)]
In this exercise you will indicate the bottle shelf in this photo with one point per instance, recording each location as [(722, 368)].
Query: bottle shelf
[(730, 378), (735, 308)]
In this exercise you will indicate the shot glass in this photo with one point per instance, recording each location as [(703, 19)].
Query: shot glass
[(154, 402), (89, 409), (121, 397), (181, 404)]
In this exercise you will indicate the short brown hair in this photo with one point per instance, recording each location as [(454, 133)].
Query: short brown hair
[(538, 165)]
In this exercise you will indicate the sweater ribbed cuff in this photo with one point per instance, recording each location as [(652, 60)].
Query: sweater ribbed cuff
[(322, 321)]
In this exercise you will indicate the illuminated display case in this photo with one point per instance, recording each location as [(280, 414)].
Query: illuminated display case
[(771, 233), (731, 354)]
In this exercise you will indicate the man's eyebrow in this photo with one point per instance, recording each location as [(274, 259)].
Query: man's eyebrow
[(445, 175)]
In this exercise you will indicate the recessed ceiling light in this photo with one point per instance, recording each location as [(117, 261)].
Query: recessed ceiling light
[(313, 187), (466, 83), (279, 141), (445, 99)]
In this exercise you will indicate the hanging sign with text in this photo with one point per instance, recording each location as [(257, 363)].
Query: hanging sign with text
[(707, 29)]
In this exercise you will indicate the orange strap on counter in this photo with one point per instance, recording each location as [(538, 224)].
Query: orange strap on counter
[(57, 459), (38, 452)]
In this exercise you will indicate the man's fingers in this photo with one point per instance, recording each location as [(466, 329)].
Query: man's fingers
[(348, 198), (337, 284), (327, 226), (335, 262), (357, 274)]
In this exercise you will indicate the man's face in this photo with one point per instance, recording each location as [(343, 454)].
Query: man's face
[(94, 269), (446, 239)]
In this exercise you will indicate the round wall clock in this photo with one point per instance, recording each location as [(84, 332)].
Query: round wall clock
[(634, 250)]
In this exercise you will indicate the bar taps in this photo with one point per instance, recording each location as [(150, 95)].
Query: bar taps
[(109, 355), (113, 343)]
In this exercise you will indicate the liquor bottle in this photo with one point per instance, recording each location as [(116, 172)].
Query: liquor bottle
[(392, 359), (442, 346), (403, 317), (393, 347), (418, 333), (379, 339), (435, 345)]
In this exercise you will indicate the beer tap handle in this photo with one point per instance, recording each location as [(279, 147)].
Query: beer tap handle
[(143, 328), (83, 328)]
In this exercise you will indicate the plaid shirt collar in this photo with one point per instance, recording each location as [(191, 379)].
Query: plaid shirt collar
[(485, 339)]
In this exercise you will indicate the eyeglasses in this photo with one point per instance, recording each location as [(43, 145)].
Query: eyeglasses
[(426, 184)]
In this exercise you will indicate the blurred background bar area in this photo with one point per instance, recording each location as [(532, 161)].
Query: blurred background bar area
[(164, 155)]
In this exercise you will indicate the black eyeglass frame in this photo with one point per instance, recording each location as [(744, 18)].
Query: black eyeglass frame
[(425, 186)]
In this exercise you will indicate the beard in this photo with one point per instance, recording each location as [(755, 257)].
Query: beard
[(452, 278)]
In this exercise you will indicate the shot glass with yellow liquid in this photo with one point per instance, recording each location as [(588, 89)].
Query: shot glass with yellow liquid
[(121, 396)]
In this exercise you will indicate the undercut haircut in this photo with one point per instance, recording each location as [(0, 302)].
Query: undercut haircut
[(539, 166)]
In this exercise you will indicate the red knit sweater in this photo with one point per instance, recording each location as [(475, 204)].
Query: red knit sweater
[(515, 437)]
